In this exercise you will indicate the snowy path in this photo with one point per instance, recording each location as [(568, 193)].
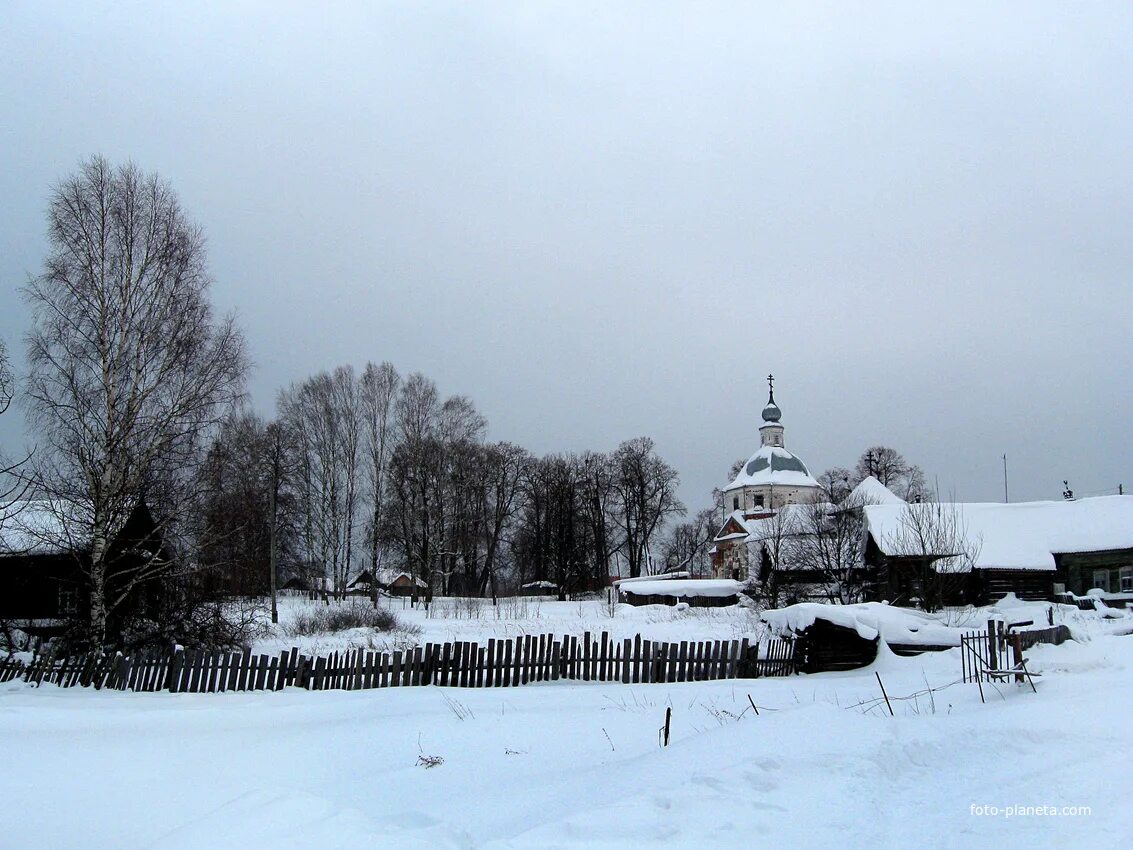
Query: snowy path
[(578, 764)]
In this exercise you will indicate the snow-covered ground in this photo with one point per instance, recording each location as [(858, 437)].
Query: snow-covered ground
[(477, 620), (578, 764)]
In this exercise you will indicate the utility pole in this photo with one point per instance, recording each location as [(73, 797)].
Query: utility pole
[(1005, 499), (273, 556)]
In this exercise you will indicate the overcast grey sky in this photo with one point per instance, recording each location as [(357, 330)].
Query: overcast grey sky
[(610, 219)]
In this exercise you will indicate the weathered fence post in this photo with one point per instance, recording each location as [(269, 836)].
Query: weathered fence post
[(175, 664), (1017, 655)]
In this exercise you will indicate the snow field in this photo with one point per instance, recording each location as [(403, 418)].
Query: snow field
[(477, 620), (559, 765)]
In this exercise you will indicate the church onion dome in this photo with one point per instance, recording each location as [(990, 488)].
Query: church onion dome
[(771, 414), (775, 466)]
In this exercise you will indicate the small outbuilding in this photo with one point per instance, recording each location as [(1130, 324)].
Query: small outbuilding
[(539, 588), (699, 593)]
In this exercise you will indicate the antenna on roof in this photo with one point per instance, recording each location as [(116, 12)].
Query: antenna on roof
[(1067, 493), (1005, 499)]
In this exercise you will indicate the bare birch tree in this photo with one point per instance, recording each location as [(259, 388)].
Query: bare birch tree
[(129, 367), (348, 420), (323, 416), (377, 395)]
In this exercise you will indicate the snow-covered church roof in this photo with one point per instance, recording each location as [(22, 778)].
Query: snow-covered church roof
[(773, 465)]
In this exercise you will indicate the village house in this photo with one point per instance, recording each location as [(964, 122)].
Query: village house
[(390, 582), (45, 556), (1036, 550)]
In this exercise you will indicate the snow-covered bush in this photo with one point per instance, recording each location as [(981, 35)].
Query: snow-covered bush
[(316, 620)]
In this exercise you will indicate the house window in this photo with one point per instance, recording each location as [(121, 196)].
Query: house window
[(1101, 580), (735, 503), (68, 601), (1127, 579), (759, 501)]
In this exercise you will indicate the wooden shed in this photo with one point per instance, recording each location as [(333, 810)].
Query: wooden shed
[(824, 646), (698, 593)]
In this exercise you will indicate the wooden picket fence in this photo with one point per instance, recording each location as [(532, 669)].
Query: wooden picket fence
[(495, 663)]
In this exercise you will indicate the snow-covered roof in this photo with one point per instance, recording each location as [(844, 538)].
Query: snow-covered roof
[(868, 619), (872, 492), (41, 527), (389, 576), (773, 465), (683, 587), (657, 577), (1022, 535), (545, 585), (786, 521)]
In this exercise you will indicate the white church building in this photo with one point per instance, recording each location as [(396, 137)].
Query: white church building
[(772, 479)]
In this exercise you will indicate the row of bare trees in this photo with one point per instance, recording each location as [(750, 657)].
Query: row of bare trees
[(373, 472)]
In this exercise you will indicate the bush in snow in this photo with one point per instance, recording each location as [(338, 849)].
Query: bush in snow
[(318, 620)]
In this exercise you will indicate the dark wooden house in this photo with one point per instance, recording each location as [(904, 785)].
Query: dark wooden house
[(1035, 550), (45, 567), (390, 582)]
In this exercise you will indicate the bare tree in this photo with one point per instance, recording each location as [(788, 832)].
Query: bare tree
[(129, 368), (437, 504), (932, 540), (324, 418), (687, 545), (347, 413), (378, 394), (837, 483), (830, 548), (504, 465), (13, 484), (234, 488), (646, 497), (418, 409), (245, 516), (889, 467), (777, 538), (596, 490)]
